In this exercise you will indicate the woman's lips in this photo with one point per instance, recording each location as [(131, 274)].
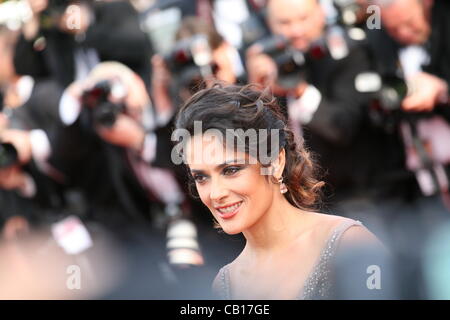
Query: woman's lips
[(227, 212)]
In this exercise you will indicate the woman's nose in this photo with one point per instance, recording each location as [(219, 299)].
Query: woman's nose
[(218, 190)]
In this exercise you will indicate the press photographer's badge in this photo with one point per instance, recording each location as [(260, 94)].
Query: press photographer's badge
[(72, 235)]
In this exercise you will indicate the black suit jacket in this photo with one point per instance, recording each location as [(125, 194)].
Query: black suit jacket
[(354, 155), (439, 42), (40, 111)]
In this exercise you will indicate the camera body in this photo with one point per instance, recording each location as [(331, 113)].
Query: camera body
[(386, 108), (387, 93), (290, 62), (97, 100), (393, 91), (50, 16), (190, 62), (8, 155)]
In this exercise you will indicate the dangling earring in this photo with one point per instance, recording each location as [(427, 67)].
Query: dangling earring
[(283, 188)]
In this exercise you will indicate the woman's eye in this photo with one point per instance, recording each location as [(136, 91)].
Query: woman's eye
[(199, 178), (231, 170)]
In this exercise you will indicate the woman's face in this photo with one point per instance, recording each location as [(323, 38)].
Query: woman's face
[(229, 183)]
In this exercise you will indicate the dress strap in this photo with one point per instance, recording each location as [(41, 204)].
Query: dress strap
[(221, 284), (333, 242), (318, 284)]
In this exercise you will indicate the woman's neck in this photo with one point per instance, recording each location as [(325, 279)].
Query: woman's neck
[(276, 230)]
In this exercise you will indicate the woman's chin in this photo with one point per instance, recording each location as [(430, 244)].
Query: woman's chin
[(231, 230), (232, 233)]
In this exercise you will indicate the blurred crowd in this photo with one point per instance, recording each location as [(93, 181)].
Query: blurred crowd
[(89, 91)]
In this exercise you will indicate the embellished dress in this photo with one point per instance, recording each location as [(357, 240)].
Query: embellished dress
[(319, 283)]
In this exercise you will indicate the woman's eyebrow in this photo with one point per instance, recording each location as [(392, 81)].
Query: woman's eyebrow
[(220, 166), (236, 161)]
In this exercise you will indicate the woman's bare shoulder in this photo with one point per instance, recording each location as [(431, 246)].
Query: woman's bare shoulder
[(324, 225), (354, 233)]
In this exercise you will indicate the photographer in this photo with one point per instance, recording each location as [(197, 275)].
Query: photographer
[(318, 79), (111, 149), (420, 30), (418, 50), (29, 194), (28, 185), (199, 57), (29, 102), (65, 39)]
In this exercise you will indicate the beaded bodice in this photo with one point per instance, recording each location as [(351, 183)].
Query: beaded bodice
[(318, 285)]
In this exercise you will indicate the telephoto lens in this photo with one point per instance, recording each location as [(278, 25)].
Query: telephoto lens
[(182, 244)]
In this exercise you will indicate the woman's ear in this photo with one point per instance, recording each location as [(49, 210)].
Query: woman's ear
[(278, 164)]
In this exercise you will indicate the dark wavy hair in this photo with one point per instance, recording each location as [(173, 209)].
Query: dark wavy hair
[(247, 107)]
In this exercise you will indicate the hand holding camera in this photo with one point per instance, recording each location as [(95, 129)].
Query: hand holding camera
[(16, 146), (111, 116), (261, 68), (15, 150), (124, 133), (273, 62), (426, 91)]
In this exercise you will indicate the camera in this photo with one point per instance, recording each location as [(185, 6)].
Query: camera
[(386, 107), (387, 93), (8, 155), (50, 16), (97, 100), (290, 62), (190, 62), (392, 93)]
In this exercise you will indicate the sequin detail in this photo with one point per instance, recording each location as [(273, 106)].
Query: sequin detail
[(318, 284)]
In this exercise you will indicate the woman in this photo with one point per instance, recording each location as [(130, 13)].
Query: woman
[(270, 199)]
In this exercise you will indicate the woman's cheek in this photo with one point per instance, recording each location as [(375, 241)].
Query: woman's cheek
[(247, 182), (203, 192)]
